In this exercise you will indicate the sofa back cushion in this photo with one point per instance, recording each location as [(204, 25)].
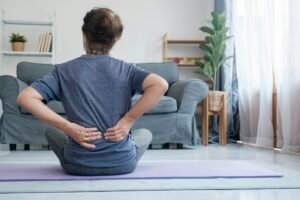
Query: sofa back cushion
[(30, 72), (167, 70)]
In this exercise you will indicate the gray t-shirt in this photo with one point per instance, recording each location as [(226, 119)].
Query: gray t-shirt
[(95, 91)]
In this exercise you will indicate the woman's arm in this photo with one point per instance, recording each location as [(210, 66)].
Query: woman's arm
[(31, 100), (154, 87)]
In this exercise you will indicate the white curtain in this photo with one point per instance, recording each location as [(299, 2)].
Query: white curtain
[(252, 20), (265, 33), (288, 81)]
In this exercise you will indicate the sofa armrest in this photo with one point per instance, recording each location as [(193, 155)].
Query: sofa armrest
[(10, 88), (188, 94)]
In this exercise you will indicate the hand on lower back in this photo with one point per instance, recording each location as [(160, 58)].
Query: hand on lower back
[(120, 130), (83, 135)]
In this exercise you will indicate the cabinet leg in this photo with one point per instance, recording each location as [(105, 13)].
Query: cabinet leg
[(205, 122), (223, 123), (222, 131)]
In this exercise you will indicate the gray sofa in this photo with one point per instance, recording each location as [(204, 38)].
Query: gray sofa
[(171, 121)]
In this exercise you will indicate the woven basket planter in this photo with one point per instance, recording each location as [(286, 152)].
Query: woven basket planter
[(215, 105), (216, 100), (18, 46)]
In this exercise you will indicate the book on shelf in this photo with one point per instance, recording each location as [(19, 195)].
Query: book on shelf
[(49, 42), (39, 43), (45, 42)]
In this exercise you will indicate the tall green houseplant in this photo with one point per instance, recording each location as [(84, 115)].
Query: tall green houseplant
[(214, 46)]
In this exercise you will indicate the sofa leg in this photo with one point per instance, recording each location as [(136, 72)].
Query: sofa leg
[(172, 146), (12, 147), (26, 147)]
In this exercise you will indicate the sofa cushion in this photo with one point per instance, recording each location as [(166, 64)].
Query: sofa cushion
[(56, 106), (165, 105)]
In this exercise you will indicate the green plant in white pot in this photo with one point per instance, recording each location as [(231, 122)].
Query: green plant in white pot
[(213, 47), (17, 42)]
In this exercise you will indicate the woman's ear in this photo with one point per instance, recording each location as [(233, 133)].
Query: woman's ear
[(85, 43), (116, 40)]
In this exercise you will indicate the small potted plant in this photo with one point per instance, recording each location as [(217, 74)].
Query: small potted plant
[(17, 42), (213, 47)]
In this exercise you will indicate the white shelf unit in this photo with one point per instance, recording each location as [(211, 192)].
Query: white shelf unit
[(33, 28)]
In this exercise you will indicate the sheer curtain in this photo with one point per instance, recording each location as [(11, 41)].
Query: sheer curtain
[(288, 81), (252, 21), (267, 41)]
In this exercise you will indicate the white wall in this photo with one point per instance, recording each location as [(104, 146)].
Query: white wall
[(145, 23)]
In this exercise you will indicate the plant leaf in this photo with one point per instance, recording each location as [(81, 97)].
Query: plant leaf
[(207, 29), (210, 40), (207, 58), (206, 48), (228, 37), (224, 60)]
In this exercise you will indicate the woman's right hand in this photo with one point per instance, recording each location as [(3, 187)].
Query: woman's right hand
[(83, 135)]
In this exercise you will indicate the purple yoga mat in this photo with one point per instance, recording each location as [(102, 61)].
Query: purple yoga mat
[(145, 170)]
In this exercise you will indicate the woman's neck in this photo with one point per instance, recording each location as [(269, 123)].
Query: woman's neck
[(96, 53)]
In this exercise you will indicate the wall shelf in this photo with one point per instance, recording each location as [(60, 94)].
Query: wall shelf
[(183, 41), (181, 61), (26, 53), (186, 65), (27, 23)]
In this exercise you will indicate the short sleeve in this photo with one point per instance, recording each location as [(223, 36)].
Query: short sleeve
[(137, 76), (48, 86)]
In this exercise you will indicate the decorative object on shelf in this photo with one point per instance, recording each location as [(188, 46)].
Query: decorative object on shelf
[(17, 42), (192, 61), (176, 60), (185, 60), (213, 47)]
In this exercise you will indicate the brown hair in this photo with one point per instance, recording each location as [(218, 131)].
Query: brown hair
[(101, 29)]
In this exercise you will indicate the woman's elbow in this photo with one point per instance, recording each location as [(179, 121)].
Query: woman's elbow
[(164, 85), (157, 83), (21, 99)]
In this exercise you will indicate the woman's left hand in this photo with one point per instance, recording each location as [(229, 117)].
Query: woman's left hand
[(120, 130)]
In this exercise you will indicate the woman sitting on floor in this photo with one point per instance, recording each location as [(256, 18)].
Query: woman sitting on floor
[(95, 90)]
